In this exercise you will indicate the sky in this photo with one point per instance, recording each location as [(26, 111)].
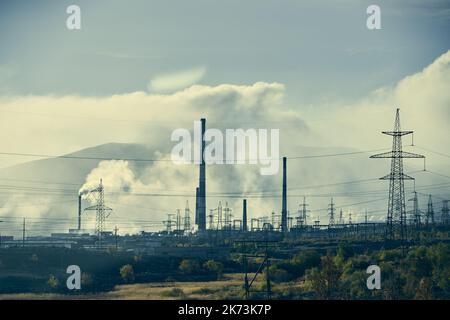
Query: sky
[(321, 50), (137, 70)]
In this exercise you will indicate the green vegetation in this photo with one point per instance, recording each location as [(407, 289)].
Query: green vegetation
[(174, 293), (53, 282), (419, 273), (297, 271), (127, 273)]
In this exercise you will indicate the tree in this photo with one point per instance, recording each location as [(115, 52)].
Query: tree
[(189, 266), (425, 290), (214, 266), (86, 280), (127, 273), (326, 281), (278, 275), (53, 282), (305, 260)]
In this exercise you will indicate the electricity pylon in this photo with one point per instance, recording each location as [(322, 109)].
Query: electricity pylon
[(187, 218), (416, 212), (101, 210), (303, 213), (445, 218), (331, 213), (341, 218), (396, 215), (430, 212)]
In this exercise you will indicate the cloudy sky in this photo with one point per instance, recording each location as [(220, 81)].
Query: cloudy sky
[(137, 70)]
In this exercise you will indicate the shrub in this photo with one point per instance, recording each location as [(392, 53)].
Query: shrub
[(174, 293), (127, 273)]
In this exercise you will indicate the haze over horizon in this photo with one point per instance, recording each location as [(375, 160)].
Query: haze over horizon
[(132, 76)]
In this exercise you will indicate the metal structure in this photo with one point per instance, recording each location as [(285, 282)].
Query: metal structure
[(265, 264), (101, 212), (244, 215), (227, 216), (429, 218), (284, 226), (187, 218), (331, 210), (23, 232), (169, 223), (341, 217), (200, 213), (79, 212), (303, 214), (396, 215), (416, 212), (445, 218), (178, 220)]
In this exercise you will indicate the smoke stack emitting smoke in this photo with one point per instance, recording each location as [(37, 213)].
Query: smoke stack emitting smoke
[(83, 192)]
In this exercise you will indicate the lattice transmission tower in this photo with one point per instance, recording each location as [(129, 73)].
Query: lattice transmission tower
[(303, 214), (331, 212), (101, 212), (445, 218), (187, 218), (396, 215), (430, 212), (416, 212)]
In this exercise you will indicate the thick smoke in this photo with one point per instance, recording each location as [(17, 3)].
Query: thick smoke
[(149, 191)]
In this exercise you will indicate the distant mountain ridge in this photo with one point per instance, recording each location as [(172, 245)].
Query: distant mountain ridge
[(73, 170)]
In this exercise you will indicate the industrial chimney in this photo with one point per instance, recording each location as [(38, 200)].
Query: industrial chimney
[(244, 215), (201, 197), (196, 206), (79, 212), (284, 200)]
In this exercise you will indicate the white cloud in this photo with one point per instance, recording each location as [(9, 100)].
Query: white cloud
[(171, 82), (424, 102), (55, 125)]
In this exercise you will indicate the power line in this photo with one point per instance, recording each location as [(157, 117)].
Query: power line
[(334, 154), (432, 151), (36, 155)]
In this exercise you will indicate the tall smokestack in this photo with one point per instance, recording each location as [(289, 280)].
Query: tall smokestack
[(244, 215), (196, 205), (79, 212), (284, 200), (202, 183)]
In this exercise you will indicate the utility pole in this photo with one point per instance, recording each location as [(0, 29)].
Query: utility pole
[(396, 215), (264, 264), (268, 284)]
